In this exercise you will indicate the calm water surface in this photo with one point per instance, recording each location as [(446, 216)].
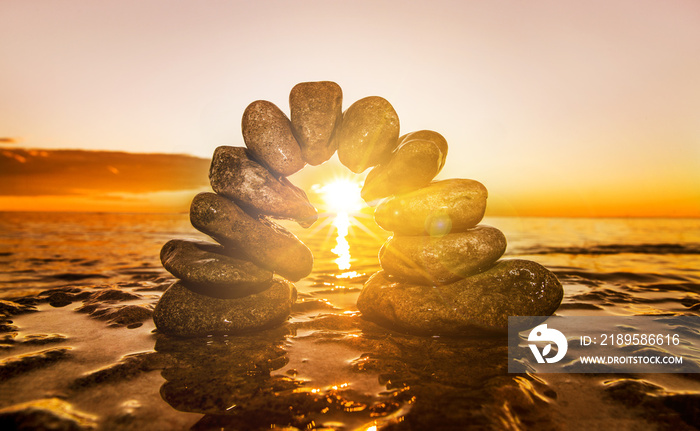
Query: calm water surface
[(327, 367)]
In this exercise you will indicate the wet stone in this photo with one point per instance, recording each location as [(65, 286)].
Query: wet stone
[(440, 208), (235, 174), (182, 312), (411, 166), (267, 133), (368, 134), (211, 270), (441, 260), (267, 244), (471, 305), (428, 135), (316, 113)]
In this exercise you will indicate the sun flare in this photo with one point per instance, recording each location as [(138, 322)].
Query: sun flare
[(341, 196)]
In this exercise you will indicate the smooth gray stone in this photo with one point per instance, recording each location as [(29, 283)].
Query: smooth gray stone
[(211, 270), (411, 166), (267, 244), (481, 302), (235, 174), (440, 208), (267, 132), (428, 135), (368, 134), (316, 112), (185, 313), (441, 260)]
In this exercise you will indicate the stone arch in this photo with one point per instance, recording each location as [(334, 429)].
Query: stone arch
[(441, 270)]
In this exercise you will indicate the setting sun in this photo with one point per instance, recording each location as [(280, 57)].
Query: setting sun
[(341, 196)]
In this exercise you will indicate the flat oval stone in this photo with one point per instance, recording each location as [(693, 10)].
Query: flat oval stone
[(184, 313), (431, 136), (316, 109), (438, 209), (267, 244), (368, 134), (481, 302), (211, 270), (411, 166), (268, 135), (440, 260), (235, 174)]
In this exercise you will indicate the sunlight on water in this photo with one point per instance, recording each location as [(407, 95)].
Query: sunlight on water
[(342, 249), (342, 198)]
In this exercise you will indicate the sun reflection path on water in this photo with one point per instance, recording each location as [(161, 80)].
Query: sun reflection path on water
[(342, 249), (342, 199)]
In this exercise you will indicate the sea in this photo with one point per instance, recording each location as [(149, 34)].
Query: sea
[(330, 369)]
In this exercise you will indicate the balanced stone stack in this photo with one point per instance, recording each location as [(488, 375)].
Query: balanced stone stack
[(229, 288), (440, 274)]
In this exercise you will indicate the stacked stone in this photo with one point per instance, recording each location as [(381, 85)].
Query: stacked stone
[(441, 272), (229, 288)]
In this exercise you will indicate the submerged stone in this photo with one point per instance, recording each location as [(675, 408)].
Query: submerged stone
[(185, 313), (235, 174), (440, 260), (438, 209), (267, 244), (316, 112), (211, 270), (481, 302), (411, 166), (267, 133), (368, 134)]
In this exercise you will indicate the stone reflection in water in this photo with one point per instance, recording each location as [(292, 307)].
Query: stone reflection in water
[(424, 382), (453, 383), (227, 376)]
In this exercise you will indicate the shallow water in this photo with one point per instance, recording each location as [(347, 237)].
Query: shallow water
[(326, 367)]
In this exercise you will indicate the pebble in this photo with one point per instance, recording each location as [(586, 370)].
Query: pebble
[(440, 260), (267, 133), (428, 135), (440, 208), (471, 305), (267, 244), (412, 166), (235, 174), (316, 112), (185, 313), (211, 270), (368, 134)]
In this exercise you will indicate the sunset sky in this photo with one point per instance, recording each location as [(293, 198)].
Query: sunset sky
[(564, 108)]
